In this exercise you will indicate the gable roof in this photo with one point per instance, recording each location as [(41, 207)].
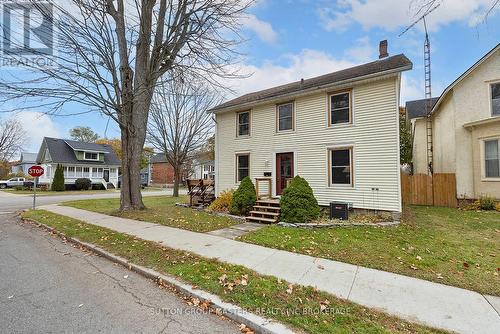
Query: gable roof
[(463, 75), (417, 108), (61, 152), (382, 66)]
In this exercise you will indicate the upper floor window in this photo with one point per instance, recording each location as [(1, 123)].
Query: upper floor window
[(243, 120), (242, 166), (285, 116), (339, 108), (91, 156), (492, 158), (340, 161), (495, 99)]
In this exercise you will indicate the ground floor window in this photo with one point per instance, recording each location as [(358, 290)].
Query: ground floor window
[(112, 172), (492, 158), (242, 166), (78, 172), (86, 172), (94, 172), (340, 166)]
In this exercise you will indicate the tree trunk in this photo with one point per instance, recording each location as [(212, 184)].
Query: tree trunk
[(131, 198), (177, 177)]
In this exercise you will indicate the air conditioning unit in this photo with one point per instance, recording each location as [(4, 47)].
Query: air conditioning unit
[(339, 210)]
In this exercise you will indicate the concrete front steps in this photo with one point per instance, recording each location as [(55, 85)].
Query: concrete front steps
[(265, 211)]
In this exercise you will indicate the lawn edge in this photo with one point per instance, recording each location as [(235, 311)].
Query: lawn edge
[(259, 324)]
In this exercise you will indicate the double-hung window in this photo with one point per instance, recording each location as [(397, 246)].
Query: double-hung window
[(495, 99), (285, 116), (243, 123), (340, 108), (492, 158), (340, 166), (242, 166)]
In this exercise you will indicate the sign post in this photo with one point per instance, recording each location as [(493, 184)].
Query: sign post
[(35, 171)]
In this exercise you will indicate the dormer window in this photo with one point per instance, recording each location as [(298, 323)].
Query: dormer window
[(91, 156)]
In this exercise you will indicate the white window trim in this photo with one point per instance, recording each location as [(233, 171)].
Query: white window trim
[(85, 156), (294, 117), (249, 124), (490, 97), (329, 184), (483, 160)]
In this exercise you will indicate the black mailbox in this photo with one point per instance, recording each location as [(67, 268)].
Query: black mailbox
[(267, 174), (339, 210)]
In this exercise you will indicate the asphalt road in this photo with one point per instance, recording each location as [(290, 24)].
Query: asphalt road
[(48, 286)]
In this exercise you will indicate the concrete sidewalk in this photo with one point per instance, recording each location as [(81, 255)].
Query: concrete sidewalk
[(413, 299)]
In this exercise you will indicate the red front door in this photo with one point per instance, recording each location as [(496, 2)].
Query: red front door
[(284, 170)]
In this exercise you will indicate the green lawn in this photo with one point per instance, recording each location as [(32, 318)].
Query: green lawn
[(261, 294), (449, 246), (160, 210), (58, 193)]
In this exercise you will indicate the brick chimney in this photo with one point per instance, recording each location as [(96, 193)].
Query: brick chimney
[(382, 49)]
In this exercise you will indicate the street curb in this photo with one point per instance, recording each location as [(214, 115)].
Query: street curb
[(257, 323)]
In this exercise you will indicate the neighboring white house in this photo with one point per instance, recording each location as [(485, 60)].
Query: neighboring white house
[(203, 169), (97, 162), (465, 130), (339, 131), (25, 162)]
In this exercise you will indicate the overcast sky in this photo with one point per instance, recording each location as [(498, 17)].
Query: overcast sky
[(292, 39)]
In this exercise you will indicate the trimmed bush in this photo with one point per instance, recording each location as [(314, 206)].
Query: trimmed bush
[(244, 198), (58, 181), (222, 202), (487, 203), (83, 184), (298, 204)]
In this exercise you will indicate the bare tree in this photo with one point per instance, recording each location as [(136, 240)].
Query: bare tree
[(179, 123), (12, 138), (111, 53)]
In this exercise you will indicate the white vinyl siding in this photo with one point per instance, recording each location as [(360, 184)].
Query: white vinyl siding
[(374, 136)]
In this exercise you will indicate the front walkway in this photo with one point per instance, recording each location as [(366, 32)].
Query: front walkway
[(413, 299)]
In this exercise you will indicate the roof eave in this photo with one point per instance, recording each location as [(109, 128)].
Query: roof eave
[(311, 90), (462, 76)]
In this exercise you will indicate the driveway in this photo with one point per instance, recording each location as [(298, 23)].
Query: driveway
[(47, 286)]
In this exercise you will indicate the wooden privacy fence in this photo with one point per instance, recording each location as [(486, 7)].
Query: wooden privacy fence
[(422, 189)]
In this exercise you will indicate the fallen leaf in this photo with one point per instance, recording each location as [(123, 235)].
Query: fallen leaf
[(290, 289), (419, 258), (321, 267), (80, 305), (466, 265), (126, 276)]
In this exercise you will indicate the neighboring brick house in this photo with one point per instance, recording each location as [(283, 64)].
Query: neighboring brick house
[(162, 173)]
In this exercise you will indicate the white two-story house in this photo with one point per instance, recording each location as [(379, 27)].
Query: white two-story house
[(339, 131), (465, 123), (97, 162)]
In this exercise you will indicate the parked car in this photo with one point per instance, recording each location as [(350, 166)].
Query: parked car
[(15, 182)]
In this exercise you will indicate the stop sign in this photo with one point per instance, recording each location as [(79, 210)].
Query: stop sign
[(35, 171)]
